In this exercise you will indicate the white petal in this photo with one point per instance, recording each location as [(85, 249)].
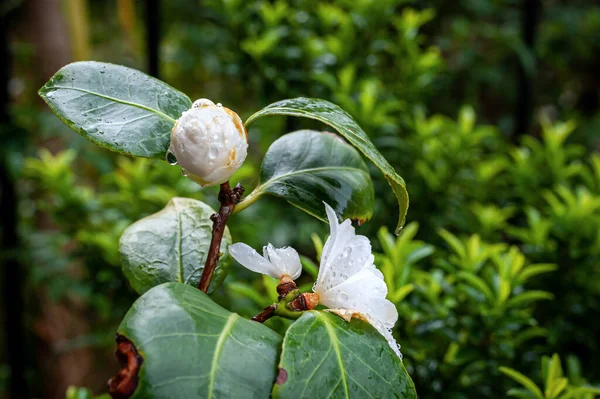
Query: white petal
[(384, 312), (251, 260), (349, 284), (286, 259), (387, 334), (344, 252), (356, 292)]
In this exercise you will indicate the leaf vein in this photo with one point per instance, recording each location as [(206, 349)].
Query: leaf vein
[(118, 100)]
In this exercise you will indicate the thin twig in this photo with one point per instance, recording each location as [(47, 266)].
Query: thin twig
[(266, 314), (228, 198)]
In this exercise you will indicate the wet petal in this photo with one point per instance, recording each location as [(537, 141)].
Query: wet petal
[(286, 259), (349, 284), (251, 260), (344, 252)]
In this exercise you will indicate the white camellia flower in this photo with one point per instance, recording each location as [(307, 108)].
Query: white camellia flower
[(348, 282), (209, 142), (275, 262)]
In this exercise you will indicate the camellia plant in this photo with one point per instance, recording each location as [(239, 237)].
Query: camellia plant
[(175, 341)]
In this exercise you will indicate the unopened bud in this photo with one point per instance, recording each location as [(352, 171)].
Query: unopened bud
[(209, 142)]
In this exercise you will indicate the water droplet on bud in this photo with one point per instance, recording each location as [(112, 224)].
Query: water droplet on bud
[(184, 172), (203, 102), (213, 152), (343, 296), (170, 157)]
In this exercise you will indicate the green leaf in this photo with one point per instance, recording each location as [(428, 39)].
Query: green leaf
[(401, 293), (309, 266), (478, 283), (78, 393), (523, 380), (554, 373), (342, 122), (580, 391), (453, 242), (326, 357), (116, 107), (534, 270), (306, 168), (557, 387), (527, 297), (520, 393), (193, 348), (171, 245)]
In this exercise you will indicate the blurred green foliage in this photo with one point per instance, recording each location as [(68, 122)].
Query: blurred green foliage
[(498, 265), (555, 383)]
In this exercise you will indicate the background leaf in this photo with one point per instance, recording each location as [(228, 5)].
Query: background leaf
[(308, 167), (342, 122), (171, 245), (192, 347), (326, 357), (116, 107)]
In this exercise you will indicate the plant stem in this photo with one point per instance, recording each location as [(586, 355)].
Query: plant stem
[(266, 314), (228, 199)]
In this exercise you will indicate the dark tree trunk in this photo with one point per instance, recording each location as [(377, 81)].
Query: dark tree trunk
[(153, 36), (12, 270), (525, 102)]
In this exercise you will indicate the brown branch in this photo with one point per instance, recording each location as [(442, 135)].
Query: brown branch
[(266, 314), (228, 198)]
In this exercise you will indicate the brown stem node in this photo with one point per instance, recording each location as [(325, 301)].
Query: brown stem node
[(124, 384), (306, 301), (286, 285)]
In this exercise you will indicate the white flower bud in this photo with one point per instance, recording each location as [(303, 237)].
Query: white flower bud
[(209, 142)]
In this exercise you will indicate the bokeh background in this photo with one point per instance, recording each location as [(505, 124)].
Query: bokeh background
[(489, 109)]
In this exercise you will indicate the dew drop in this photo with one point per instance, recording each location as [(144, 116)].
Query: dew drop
[(219, 105), (202, 102), (343, 296), (213, 152), (184, 172), (170, 157)]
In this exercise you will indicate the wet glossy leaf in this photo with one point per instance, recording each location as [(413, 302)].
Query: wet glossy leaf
[(116, 107), (326, 357), (171, 245), (307, 167), (193, 348), (342, 122)]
